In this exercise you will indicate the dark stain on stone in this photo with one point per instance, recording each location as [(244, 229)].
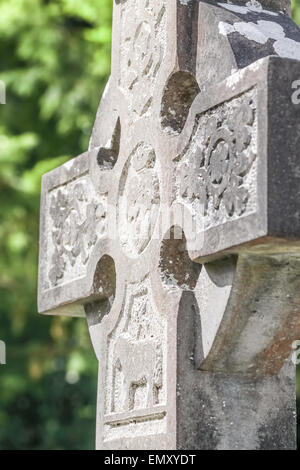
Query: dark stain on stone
[(278, 433)]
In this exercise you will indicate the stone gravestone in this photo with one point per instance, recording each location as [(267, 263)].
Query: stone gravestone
[(177, 234)]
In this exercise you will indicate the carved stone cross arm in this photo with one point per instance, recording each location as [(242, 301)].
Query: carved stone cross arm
[(177, 234)]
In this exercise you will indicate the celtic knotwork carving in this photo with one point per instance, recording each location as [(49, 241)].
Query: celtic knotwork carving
[(77, 223), (142, 51), (220, 155)]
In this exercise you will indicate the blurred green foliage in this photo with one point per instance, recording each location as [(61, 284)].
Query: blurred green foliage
[(296, 11), (55, 61)]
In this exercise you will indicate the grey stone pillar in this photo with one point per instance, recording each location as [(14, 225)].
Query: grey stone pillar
[(177, 233)]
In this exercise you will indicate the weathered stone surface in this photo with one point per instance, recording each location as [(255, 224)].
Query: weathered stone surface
[(177, 234)]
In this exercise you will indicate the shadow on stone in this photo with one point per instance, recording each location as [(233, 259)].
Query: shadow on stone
[(107, 156), (104, 288), (179, 94)]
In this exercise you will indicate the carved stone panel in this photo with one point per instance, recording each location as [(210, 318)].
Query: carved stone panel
[(135, 380), (216, 175), (77, 221), (143, 44), (139, 199)]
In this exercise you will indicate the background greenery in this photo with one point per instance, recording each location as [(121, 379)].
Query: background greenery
[(55, 60)]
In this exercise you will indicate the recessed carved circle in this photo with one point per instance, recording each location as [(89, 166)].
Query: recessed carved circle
[(139, 200), (179, 94)]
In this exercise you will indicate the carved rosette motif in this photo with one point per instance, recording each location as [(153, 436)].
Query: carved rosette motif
[(142, 51), (216, 173), (139, 200), (78, 220), (136, 373)]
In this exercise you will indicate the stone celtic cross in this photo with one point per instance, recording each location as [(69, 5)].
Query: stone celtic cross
[(177, 234)]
